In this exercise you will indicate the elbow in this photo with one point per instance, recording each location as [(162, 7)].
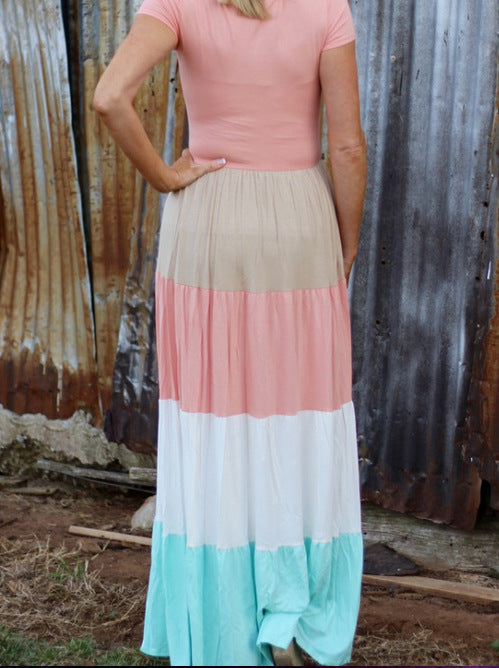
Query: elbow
[(104, 102), (349, 150), (101, 104)]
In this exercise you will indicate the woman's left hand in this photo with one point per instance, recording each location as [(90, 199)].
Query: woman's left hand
[(348, 260)]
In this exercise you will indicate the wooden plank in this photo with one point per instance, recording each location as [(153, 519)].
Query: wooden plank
[(110, 535), (83, 472), (444, 588), (436, 547), (142, 475)]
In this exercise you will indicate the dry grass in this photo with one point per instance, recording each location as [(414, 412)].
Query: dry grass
[(420, 649), (52, 591)]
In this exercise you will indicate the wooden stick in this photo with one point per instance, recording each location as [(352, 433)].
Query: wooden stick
[(4, 524), (10, 481), (142, 474), (82, 472), (445, 588), (34, 491), (110, 535)]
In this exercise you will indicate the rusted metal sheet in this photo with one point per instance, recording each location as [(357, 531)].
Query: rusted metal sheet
[(47, 361), (114, 193), (123, 213), (423, 287), (123, 216), (481, 442), (133, 413)]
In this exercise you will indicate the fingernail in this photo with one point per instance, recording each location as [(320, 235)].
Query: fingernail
[(221, 161)]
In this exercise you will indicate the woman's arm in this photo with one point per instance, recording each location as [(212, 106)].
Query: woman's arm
[(148, 42), (347, 147)]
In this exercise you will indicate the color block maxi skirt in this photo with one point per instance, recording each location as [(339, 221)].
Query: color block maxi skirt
[(257, 535)]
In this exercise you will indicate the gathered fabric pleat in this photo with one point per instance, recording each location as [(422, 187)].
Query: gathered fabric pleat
[(257, 231), (257, 536)]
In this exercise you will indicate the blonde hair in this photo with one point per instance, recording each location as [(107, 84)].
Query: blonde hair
[(254, 9)]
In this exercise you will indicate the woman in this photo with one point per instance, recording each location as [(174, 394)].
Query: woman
[(257, 547)]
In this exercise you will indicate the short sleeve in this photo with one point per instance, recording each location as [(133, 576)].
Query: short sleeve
[(166, 11), (340, 27)]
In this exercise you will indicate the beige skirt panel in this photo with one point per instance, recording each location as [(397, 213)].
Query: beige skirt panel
[(257, 231)]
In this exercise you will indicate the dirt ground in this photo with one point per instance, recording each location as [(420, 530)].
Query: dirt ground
[(395, 627)]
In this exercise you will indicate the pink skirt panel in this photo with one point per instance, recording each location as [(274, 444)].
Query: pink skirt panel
[(235, 352)]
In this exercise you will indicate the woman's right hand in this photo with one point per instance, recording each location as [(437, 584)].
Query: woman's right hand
[(185, 171), (148, 42)]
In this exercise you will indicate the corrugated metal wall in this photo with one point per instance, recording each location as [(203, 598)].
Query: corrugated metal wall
[(47, 356), (423, 290), (78, 240), (123, 212), (123, 216)]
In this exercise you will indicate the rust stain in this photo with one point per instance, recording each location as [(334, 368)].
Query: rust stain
[(180, 120), (490, 390), (132, 416), (489, 382), (47, 348), (115, 188)]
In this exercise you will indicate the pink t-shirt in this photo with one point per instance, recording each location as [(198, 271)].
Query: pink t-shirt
[(252, 87)]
